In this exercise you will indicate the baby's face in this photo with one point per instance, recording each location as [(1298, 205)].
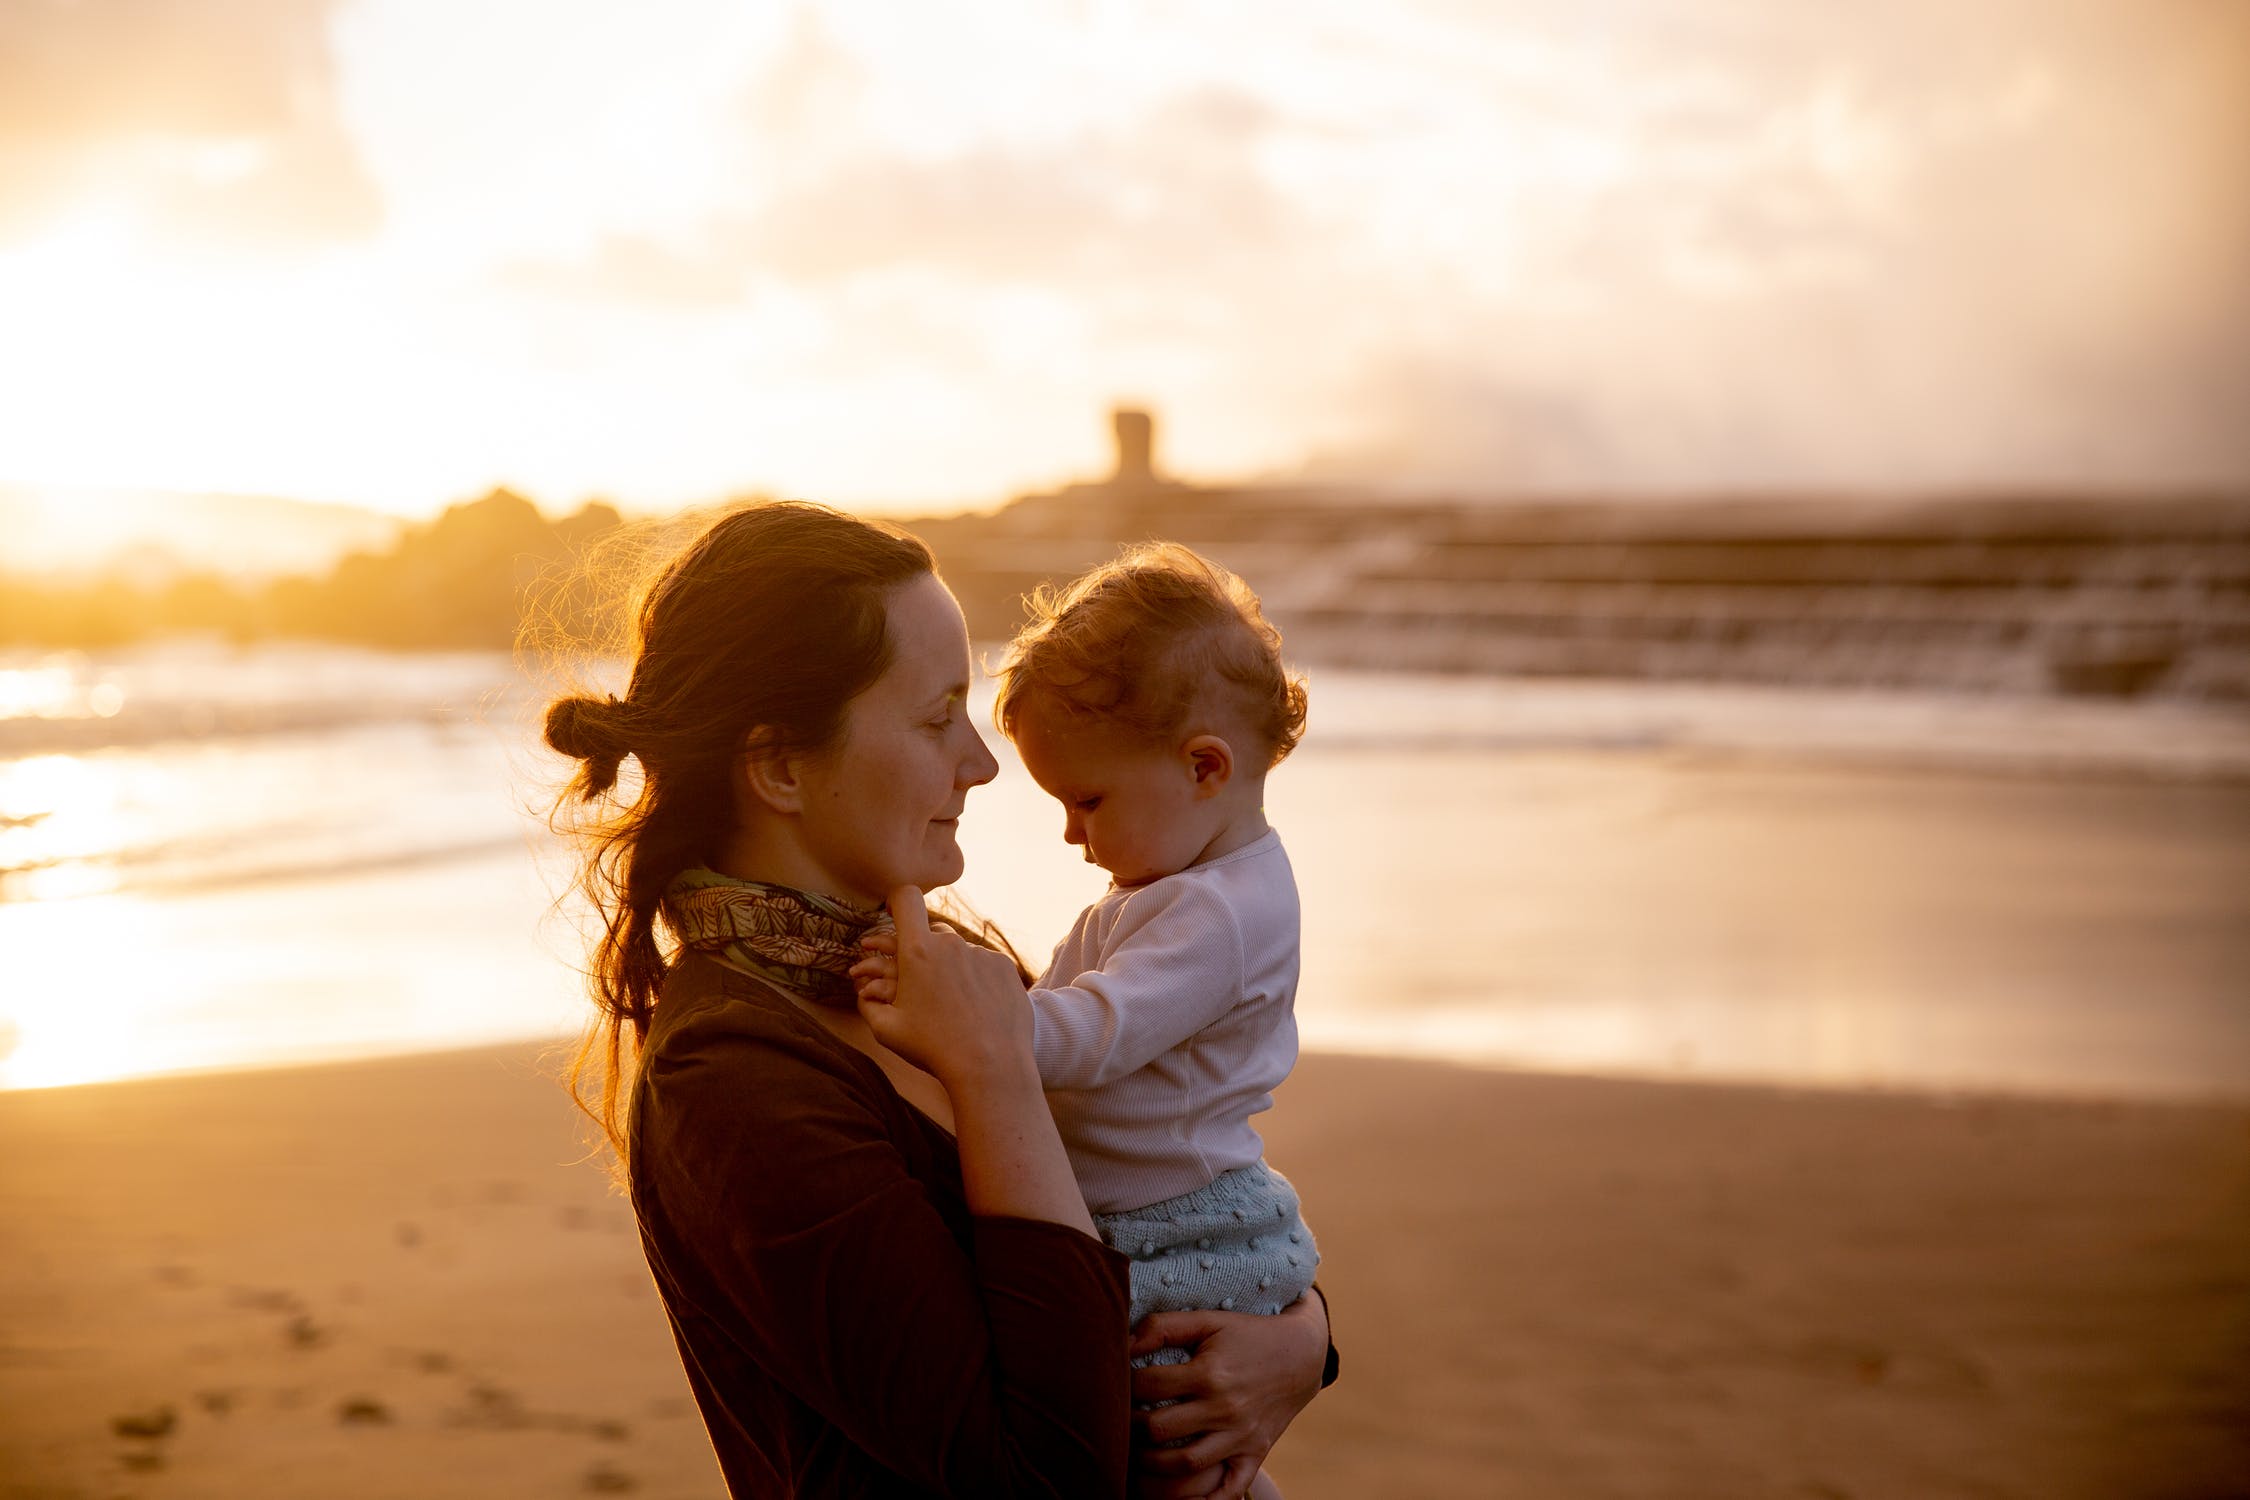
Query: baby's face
[(1132, 807)]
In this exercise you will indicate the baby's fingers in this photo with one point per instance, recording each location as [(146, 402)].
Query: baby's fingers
[(883, 941), (884, 991)]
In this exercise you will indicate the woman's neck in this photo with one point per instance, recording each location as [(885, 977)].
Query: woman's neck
[(766, 854)]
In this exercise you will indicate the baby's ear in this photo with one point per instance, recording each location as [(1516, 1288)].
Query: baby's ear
[(1210, 760)]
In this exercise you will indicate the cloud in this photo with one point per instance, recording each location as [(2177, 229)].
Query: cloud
[(812, 92), (1918, 247), (1160, 221), (635, 270), (1175, 187), (217, 119), (1434, 423), (1644, 244)]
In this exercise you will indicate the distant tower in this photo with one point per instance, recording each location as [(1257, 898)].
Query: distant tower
[(1135, 431)]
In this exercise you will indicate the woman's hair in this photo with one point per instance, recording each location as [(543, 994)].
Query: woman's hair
[(1149, 641), (769, 622)]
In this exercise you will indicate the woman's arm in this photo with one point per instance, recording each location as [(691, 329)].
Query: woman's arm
[(1247, 1379), (951, 1009), (795, 1236), (958, 1012)]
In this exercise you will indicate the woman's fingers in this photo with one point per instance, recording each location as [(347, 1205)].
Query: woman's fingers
[(893, 1027), (1169, 1424), (1241, 1474), (1184, 1329), (953, 1009), (876, 973), (1246, 1379), (908, 911), (1168, 1383)]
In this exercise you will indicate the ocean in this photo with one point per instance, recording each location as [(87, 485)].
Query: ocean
[(218, 857)]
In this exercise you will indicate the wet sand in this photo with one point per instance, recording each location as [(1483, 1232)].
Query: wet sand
[(397, 1278)]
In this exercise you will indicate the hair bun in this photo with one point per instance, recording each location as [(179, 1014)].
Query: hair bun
[(591, 730)]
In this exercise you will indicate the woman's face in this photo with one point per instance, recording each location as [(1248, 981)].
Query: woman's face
[(882, 808)]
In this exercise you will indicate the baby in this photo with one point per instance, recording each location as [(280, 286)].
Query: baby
[(1150, 700)]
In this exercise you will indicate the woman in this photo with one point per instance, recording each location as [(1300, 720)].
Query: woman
[(876, 1264)]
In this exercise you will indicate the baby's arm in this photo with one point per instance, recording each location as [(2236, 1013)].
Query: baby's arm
[(1172, 966)]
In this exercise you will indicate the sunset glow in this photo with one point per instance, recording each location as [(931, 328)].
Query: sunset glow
[(891, 255)]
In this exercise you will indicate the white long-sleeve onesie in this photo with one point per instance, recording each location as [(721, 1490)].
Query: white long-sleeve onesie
[(1164, 1022)]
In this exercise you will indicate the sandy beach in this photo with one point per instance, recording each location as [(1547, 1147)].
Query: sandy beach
[(399, 1277)]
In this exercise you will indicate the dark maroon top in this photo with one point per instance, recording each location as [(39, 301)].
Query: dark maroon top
[(848, 1326)]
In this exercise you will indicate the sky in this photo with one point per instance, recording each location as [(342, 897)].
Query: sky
[(906, 256)]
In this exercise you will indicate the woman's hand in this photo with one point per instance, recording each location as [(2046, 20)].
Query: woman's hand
[(959, 1013), (1246, 1380), (954, 1010), (875, 976)]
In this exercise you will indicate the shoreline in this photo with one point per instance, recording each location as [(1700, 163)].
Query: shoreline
[(405, 1275), (555, 1051)]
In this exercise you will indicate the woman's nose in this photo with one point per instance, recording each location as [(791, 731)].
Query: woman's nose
[(979, 766)]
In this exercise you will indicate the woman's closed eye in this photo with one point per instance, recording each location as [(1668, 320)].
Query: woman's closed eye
[(944, 721)]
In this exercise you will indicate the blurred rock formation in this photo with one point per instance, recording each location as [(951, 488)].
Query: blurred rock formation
[(2122, 596)]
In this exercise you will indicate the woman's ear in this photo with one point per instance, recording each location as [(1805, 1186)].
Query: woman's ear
[(767, 777), (1210, 760)]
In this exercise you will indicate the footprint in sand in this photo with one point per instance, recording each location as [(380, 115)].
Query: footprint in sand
[(217, 1403), (266, 1299), (146, 1430), (606, 1479), (493, 1406), (155, 1423), (300, 1332), (363, 1411)]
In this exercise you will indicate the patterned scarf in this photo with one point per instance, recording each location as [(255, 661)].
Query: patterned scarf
[(804, 942)]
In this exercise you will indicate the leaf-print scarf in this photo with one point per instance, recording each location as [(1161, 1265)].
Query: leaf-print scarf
[(799, 940)]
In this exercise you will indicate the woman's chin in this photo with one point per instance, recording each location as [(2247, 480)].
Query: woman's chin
[(943, 861)]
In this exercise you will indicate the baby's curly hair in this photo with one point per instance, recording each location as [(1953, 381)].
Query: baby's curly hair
[(1146, 641)]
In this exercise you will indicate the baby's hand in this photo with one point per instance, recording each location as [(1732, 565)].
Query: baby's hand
[(876, 975)]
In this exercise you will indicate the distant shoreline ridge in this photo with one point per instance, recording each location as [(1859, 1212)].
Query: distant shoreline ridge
[(2027, 595)]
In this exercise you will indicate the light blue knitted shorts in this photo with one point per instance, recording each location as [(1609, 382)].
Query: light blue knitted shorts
[(1237, 1244)]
